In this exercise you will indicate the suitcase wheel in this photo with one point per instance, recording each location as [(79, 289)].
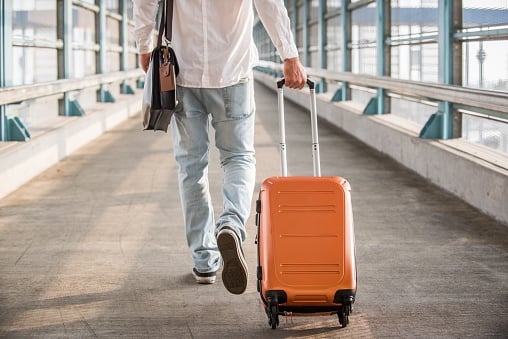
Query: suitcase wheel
[(343, 315), (272, 311), (273, 318)]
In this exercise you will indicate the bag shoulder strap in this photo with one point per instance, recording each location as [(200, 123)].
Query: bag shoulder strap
[(166, 24)]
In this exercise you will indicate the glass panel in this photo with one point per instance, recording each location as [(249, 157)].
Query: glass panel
[(314, 9), (84, 63), (299, 38), (130, 37), (333, 32), (36, 114), (313, 35), (83, 31), (482, 60), (300, 15), (132, 61), (490, 133), (363, 39), (32, 65), (130, 9), (411, 110), (360, 95), (314, 60), (415, 62), (414, 17), (485, 65), (113, 31), (113, 5), (334, 60), (83, 34), (34, 19), (429, 60), (112, 62), (332, 5), (485, 13), (364, 60)]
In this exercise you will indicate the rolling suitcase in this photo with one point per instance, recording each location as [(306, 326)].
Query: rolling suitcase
[(306, 246)]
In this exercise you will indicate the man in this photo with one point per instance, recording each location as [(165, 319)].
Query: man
[(215, 50)]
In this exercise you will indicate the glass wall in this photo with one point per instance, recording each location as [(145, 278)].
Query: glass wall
[(84, 40), (414, 33), (415, 48), (35, 50), (485, 62), (363, 40), (34, 24)]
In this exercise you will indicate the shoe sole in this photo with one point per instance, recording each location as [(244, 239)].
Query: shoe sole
[(234, 273), (204, 280)]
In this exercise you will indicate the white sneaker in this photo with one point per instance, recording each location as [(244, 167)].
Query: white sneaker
[(204, 278)]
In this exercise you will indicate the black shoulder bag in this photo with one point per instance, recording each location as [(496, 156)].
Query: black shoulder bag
[(164, 68)]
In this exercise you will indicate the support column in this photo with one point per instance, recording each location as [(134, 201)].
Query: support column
[(380, 103), (125, 88), (64, 33), (344, 93), (305, 22), (440, 124), (322, 43), (103, 95)]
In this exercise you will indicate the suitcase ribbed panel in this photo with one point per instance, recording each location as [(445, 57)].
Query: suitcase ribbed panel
[(312, 227)]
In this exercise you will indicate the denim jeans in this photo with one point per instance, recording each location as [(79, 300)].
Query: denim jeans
[(230, 111)]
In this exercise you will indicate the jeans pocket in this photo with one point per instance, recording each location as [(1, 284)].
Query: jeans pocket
[(238, 100)]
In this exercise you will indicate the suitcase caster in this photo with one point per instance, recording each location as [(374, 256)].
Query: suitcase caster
[(343, 315), (272, 311)]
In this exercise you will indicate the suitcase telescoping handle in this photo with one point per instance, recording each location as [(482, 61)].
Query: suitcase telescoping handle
[(282, 129)]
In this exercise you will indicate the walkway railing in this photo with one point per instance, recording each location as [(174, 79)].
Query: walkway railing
[(459, 100), (12, 128)]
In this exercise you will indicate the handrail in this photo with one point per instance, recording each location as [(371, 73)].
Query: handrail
[(15, 94), (485, 99)]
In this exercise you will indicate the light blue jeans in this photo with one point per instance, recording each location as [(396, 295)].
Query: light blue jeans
[(230, 110)]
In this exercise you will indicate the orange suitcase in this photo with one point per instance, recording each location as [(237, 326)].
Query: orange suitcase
[(306, 246)]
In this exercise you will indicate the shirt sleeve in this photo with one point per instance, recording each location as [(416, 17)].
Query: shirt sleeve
[(275, 18), (144, 12)]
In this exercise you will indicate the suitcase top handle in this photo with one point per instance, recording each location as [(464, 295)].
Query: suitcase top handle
[(282, 81), (282, 131)]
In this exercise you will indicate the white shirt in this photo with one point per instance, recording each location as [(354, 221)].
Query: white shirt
[(213, 39)]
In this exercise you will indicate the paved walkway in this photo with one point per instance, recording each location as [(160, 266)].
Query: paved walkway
[(95, 247)]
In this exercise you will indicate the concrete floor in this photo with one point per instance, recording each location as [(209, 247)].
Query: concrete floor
[(95, 247)]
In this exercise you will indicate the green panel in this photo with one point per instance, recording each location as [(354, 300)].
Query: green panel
[(372, 106), (75, 109), (126, 89), (434, 126), (16, 130)]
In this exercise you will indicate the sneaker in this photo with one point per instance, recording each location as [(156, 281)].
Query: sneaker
[(234, 273), (204, 278)]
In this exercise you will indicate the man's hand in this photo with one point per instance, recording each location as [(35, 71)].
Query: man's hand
[(144, 61), (294, 73)]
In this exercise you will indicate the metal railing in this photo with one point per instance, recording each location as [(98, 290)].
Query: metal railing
[(485, 103), (9, 95), (13, 129)]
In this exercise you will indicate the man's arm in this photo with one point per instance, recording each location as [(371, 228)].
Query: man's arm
[(145, 12), (274, 16)]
